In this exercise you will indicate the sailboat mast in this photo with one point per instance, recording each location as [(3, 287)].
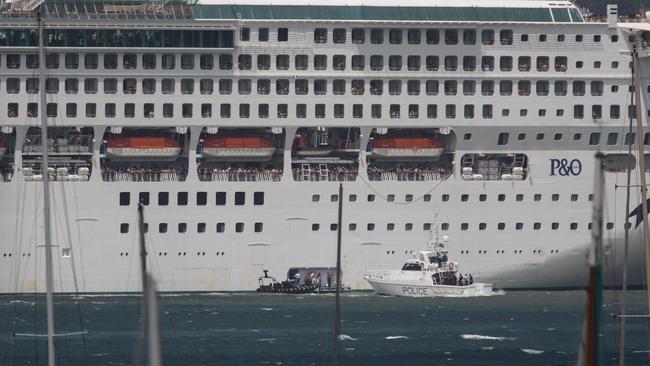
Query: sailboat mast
[(337, 317), (641, 157), (49, 282)]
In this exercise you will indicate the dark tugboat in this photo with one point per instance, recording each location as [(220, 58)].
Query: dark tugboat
[(300, 281)]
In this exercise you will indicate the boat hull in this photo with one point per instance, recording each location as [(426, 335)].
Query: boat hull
[(239, 154), (419, 289)]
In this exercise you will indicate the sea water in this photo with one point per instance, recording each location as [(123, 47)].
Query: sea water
[(516, 328)]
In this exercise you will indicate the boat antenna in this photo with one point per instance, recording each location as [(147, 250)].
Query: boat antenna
[(336, 352), (49, 278)]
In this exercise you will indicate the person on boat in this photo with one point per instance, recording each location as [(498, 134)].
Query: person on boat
[(471, 279), (318, 279), (461, 280), (296, 277)]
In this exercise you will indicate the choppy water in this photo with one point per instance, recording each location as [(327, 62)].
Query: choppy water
[(518, 328)]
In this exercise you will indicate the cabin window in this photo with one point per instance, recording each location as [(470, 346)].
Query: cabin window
[(258, 227), (370, 226), (125, 198), (258, 198), (464, 226), (239, 227), (182, 228), (124, 228), (315, 227), (221, 227), (283, 34), (201, 198), (240, 198), (263, 34), (371, 198), (143, 198), (358, 36), (163, 198), (352, 227), (162, 227)]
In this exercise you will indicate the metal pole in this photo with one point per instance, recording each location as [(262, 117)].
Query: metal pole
[(641, 157), (49, 281), (336, 354)]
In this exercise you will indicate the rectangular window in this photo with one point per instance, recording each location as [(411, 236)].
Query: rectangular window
[(125, 198), (163, 198), (240, 198), (239, 227), (221, 227), (162, 227), (258, 198), (201, 198), (220, 198), (143, 198), (200, 227), (124, 228), (259, 227), (182, 228)]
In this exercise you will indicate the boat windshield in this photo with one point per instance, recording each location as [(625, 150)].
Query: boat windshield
[(412, 267)]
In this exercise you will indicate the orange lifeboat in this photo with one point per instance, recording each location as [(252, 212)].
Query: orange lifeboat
[(238, 148), (3, 147), (406, 147), (143, 148)]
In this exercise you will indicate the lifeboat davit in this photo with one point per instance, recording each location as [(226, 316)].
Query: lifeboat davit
[(406, 148), (143, 148), (302, 149), (3, 147), (238, 148)]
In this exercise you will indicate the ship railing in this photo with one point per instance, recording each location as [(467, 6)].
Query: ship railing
[(409, 176), (143, 177), (316, 176), (274, 176)]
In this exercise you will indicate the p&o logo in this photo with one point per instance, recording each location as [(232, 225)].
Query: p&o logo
[(566, 167)]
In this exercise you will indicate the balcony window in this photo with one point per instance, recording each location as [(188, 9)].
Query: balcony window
[(129, 110), (129, 86), (376, 87), (339, 35), (488, 63), (451, 36), (469, 63), (414, 36), (186, 110), (357, 111), (561, 63), (469, 36), (487, 37), (13, 61), (52, 61), (244, 110), (395, 63), (263, 86), (487, 111), (282, 87), (395, 111), (32, 109), (505, 87), (168, 62), (52, 85), (358, 62), (506, 36), (225, 86), (148, 86), (283, 110), (542, 87), (524, 63), (71, 61), (542, 63), (31, 61), (413, 63), (129, 61), (560, 87), (302, 62), (358, 36), (469, 87), (148, 110), (12, 110), (320, 35), (225, 62), (413, 87), (263, 34), (149, 61), (395, 36), (320, 87), (263, 110), (523, 87), (433, 63), (206, 62), (110, 61), (109, 110), (596, 88), (224, 110), (71, 86), (91, 61), (339, 111), (319, 110), (395, 87), (187, 86), (282, 62), (579, 111), (432, 87), (206, 110), (187, 62), (301, 111), (433, 36), (451, 87), (244, 62), (597, 111), (168, 86), (468, 111), (338, 62), (13, 85), (375, 110), (432, 111), (244, 86), (450, 111), (263, 62), (414, 111), (376, 63), (578, 88), (320, 62), (207, 86), (110, 86), (376, 36), (451, 63), (358, 87), (32, 85), (338, 87), (505, 63)]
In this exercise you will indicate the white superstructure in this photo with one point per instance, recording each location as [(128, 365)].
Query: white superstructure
[(235, 121)]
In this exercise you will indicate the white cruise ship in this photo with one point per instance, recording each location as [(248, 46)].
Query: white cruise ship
[(234, 121)]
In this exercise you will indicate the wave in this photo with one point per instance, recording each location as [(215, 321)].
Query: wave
[(396, 337), (345, 337), (532, 351), (270, 340), (641, 351), (487, 348), (478, 337), (266, 309)]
